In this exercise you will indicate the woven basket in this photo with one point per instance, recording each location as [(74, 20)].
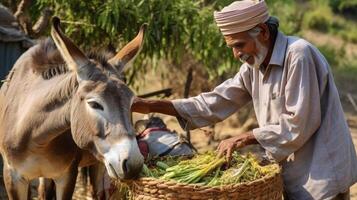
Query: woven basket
[(266, 188)]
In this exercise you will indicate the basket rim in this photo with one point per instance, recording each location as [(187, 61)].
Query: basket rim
[(271, 175)]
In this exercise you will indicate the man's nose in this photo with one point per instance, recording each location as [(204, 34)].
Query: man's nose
[(237, 53)]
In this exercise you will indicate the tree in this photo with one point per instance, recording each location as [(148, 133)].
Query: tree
[(175, 28)]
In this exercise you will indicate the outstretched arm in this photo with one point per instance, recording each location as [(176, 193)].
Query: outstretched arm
[(145, 106)]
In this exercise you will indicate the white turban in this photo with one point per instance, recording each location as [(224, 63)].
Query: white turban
[(241, 16)]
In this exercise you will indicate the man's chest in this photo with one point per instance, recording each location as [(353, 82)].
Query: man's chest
[(268, 94)]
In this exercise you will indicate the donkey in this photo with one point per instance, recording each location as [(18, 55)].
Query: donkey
[(61, 109)]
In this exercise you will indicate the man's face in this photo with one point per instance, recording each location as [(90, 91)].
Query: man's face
[(248, 48)]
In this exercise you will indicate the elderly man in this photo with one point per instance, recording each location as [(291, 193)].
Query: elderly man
[(301, 121)]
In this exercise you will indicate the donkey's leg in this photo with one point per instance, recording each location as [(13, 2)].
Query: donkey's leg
[(41, 189), (46, 189), (16, 186), (65, 184), (50, 189), (96, 179)]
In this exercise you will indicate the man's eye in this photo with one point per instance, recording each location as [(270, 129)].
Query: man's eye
[(239, 45), (95, 105)]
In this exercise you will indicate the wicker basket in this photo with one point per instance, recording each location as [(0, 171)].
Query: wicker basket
[(266, 188)]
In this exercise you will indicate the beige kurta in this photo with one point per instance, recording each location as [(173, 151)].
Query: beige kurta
[(301, 121)]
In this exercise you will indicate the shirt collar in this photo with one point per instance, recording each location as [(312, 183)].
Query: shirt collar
[(278, 55)]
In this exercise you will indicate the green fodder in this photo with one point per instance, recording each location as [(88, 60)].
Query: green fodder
[(208, 169)]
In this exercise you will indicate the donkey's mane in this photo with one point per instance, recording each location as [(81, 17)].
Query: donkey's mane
[(48, 61)]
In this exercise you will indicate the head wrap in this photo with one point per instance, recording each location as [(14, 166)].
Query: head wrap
[(241, 16)]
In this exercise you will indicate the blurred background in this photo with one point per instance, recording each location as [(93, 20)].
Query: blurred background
[(184, 53)]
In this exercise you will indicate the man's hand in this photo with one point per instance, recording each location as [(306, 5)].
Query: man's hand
[(229, 145)]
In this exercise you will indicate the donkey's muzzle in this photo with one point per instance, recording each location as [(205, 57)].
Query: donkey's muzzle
[(124, 160), (131, 172)]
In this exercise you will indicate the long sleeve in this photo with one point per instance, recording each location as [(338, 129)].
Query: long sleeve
[(212, 107), (302, 116)]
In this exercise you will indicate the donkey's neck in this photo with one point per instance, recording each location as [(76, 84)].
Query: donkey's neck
[(56, 108), (59, 92)]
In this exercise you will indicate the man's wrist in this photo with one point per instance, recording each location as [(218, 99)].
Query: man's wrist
[(251, 138)]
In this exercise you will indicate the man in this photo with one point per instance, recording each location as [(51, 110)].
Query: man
[(301, 121)]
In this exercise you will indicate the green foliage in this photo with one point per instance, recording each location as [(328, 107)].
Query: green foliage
[(319, 16), (290, 17), (175, 28), (181, 27), (347, 73), (346, 29), (319, 19), (334, 56), (350, 35), (343, 5)]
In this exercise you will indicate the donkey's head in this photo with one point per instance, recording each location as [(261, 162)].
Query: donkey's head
[(100, 107)]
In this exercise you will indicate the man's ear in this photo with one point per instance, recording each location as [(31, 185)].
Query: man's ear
[(265, 33)]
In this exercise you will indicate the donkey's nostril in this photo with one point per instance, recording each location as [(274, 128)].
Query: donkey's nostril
[(113, 171), (125, 166)]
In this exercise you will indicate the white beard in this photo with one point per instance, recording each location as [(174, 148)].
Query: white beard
[(259, 58)]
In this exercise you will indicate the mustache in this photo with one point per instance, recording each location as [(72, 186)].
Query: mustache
[(244, 58)]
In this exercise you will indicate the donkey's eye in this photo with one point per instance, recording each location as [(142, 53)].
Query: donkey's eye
[(95, 105)]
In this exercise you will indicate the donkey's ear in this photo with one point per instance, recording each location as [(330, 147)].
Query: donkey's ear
[(72, 55), (129, 52)]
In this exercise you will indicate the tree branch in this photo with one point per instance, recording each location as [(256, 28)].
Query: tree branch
[(26, 23), (21, 8), (22, 18), (42, 22), (350, 98), (186, 94), (188, 83)]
